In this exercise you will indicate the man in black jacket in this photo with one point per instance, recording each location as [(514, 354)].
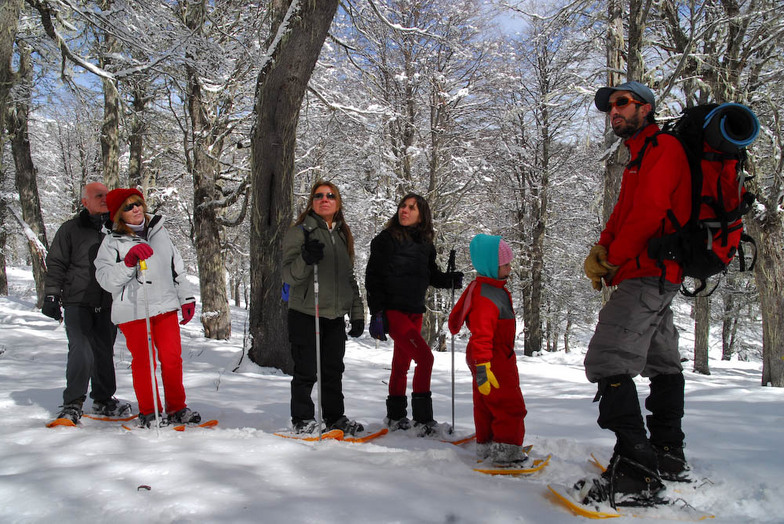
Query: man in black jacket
[(70, 282)]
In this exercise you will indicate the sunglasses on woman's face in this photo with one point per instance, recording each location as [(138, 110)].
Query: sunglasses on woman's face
[(132, 205), (320, 196)]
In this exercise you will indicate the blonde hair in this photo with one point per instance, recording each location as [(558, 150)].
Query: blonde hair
[(119, 225)]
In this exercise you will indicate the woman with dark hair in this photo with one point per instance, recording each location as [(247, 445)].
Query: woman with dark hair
[(401, 267), (138, 236), (320, 236)]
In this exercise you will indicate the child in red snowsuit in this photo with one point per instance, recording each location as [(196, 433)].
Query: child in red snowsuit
[(486, 307)]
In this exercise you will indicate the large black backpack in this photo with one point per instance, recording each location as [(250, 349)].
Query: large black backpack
[(714, 138)]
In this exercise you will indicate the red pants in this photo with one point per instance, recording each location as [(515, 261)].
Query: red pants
[(499, 416), (406, 330), (167, 346)]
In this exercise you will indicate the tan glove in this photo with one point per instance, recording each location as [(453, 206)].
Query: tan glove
[(593, 266), (611, 271)]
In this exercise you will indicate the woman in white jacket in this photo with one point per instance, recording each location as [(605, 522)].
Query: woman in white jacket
[(138, 236)]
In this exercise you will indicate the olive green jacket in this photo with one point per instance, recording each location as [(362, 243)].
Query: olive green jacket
[(338, 289)]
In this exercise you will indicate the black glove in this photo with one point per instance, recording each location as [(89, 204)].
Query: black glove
[(378, 326), (457, 279), (357, 328), (312, 251), (51, 307)]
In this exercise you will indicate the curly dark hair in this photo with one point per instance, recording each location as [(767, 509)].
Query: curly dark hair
[(422, 231)]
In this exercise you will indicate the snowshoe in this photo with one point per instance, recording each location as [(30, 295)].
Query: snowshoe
[(347, 426), (184, 416), (111, 407)]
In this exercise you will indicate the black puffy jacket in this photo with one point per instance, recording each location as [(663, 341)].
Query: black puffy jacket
[(70, 272), (399, 272)]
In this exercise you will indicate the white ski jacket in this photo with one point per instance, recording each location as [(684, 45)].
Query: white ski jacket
[(166, 285)]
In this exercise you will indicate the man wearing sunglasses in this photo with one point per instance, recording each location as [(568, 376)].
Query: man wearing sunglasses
[(70, 281), (635, 334)]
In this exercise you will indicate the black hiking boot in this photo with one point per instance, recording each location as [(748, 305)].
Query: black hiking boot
[(348, 427), (624, 483), (72, 412), (185, 416), (111, 407), (304, 427), (148, 420), (397, 418), (672, 463)]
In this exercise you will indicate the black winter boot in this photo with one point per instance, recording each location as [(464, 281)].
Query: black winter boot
[(422, 410), (422, 407), (664, 423), (633, 484), (396, 413), (619, 411)]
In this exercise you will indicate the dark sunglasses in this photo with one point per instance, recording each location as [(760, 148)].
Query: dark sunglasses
[(132, 205), (623, 102), (319, 196)]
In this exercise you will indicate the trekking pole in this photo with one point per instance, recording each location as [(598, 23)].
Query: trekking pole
[(318, 346), (450, 267), (143, 268)]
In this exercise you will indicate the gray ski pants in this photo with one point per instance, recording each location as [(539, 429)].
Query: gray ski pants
[(635, 334)]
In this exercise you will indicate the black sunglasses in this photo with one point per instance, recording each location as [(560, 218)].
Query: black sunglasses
[(623, 101), (132, 205), (319, 196)]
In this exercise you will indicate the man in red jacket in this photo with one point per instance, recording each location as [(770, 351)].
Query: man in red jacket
[(635, 334)]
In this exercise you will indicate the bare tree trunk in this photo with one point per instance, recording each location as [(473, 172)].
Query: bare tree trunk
[(280, 89), (110, 130), (616, 48), (26, 182), (729, 323), (205, 170), (701, 334), (9, 20), (769, 272), (136, 136)]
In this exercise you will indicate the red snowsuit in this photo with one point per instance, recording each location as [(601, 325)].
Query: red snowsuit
[(486, 307)]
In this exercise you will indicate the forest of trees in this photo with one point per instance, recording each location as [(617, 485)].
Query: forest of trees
[(225, 112)]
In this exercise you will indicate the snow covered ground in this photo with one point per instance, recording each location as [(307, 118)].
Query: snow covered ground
[(241, 472)]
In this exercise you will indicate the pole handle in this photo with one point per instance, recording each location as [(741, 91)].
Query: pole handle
[(450, 265), (143, 265)]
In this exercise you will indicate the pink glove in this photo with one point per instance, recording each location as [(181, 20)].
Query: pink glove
[(187, 312), (136, 253)]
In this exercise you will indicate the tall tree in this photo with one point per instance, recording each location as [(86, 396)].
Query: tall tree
[(26, 177), (9, 20), (299, 29)]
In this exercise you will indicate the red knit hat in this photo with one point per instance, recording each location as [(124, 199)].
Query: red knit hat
[(116, 197)]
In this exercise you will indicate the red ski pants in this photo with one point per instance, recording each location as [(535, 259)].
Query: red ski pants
[(168, 350), (406, 330), (500, 415)]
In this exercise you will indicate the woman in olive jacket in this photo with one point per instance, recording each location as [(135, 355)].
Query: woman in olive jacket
[(321, 237)]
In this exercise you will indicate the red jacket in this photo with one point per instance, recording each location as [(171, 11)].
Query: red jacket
[(662, 181), (486, 306)]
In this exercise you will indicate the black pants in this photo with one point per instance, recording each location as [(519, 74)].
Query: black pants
[(302, 335), (91, 337)]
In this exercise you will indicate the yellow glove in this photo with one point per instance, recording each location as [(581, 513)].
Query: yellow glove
[(593, 265), (485, 378)]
